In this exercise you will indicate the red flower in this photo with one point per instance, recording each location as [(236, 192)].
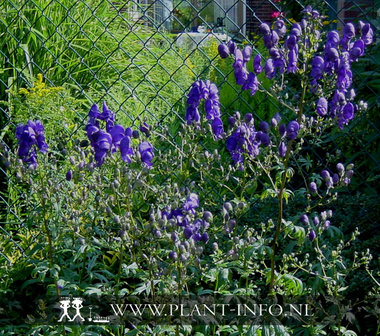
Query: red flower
[(275, 14)]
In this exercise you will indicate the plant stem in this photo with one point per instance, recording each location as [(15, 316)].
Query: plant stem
[(281, 192), (50, 242)]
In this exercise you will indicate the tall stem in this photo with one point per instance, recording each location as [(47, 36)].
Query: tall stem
[(281, 192), (50, 242)]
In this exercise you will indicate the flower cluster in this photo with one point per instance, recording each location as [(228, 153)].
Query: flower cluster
[(245, 139), (343, 175), (209, 92), (318, 223), (246, 79), (185, 219), (115, 137), (339, 52), (29, 137), (289, 131), (281, 58)]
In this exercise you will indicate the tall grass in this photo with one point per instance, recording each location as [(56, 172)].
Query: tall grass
[(95, 48)]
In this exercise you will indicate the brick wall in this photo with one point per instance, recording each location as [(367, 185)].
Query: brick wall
[(258, 10)]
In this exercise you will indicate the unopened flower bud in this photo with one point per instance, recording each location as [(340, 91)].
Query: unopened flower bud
[(304, 219), (228, 206)]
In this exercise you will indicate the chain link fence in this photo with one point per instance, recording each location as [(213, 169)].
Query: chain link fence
[(142, 57)]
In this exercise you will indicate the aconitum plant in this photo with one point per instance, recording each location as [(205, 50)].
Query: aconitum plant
[(230, 205)]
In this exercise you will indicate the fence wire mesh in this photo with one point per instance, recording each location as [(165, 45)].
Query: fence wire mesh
[(142, 58)]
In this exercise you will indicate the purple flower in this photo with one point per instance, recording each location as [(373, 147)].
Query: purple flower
[(257, 64), (30, 136), (292, 130), (322, 106), (317, 68), (204, 237), (146, 151), (265, 29), (316, 220), (265, 139), (264, 126), (145, 128), (269, 68), (271, 39), (367, 33), (125, 149), (313, 187), (282, 149), (335, 178), (192, 202), (332, 39), (312, 235), (192, 114), (217, 127), (117, 133), (357, 50), (291, 42), (223, 50), (280, 28), (304, 219), (325, 175), (102, 144), (247, 52), (251, 84), (296, 30), (340, 168), (173, 255), (349, 31), (348, 111), (282, 130), (344, 80), (188, 231), (292, 61), (207, 91), (69, 175), (231, 47), (248, 118)]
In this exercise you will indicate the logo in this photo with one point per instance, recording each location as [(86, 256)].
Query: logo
[(75, 304), (71, 311)]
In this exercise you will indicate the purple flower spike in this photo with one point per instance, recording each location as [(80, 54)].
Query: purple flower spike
[(146, 151), (223, 50)]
